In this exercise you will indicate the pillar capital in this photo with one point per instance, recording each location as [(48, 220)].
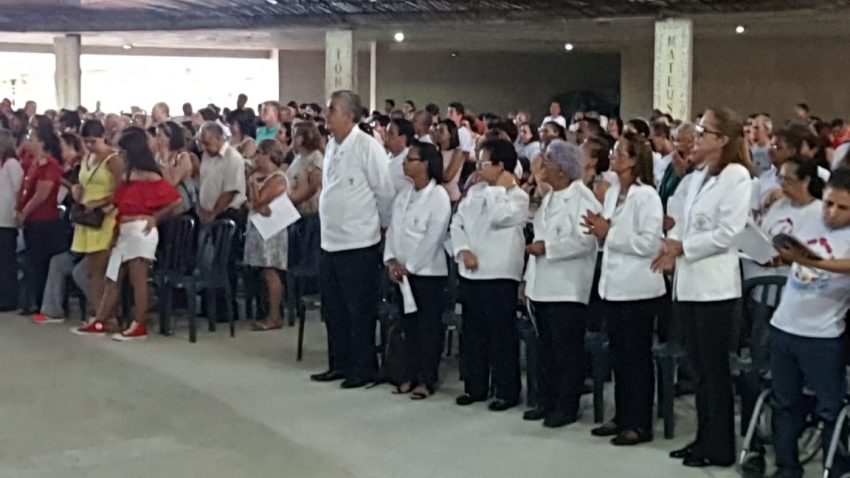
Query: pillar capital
[(68, 76)]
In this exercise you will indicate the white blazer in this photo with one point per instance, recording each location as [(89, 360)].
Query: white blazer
[(633, 241), (716, 212), (418, 230), (565, 272), (489, 223)]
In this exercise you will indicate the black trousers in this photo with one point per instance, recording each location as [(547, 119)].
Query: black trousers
[(708, 329), (349, 283), (423, 330), (560, 329), (44, 239), (630, 327), (8, 268), (490, 338)]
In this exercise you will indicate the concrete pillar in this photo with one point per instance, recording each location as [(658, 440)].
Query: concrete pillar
[(373, 76), (68, 76), (340, 58), (674, 60), (636, 80)]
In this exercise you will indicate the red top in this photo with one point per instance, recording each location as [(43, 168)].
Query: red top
[(49, 171), (144, 198)]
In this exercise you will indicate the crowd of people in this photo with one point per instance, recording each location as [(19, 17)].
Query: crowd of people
[(642, 218)]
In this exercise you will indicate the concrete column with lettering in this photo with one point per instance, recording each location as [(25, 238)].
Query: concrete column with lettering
[(340, 60), (673, 79), (68, 76)]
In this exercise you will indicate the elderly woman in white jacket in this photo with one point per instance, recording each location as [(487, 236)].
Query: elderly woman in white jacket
[(707, 282), (489, 245), (415, 258), (558, 279), (630, 227)]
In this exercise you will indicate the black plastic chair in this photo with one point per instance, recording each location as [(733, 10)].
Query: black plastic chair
[(209, 274), (175, 259)]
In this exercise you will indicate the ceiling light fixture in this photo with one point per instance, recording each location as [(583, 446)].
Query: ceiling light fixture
[(569, 47), (740, 29), (398, 37), (127, 46), (272, 2)]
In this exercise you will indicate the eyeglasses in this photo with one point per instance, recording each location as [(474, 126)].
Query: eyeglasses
[(702, 131), (484, 164), (413, 158)]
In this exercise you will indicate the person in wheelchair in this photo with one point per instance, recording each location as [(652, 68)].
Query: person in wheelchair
[(806, 346)]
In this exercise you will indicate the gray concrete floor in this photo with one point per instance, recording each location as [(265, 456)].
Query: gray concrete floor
[(89, 407)]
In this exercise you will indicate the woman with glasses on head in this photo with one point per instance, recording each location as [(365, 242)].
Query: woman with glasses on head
[(630, 229), (144, 199), (175, 162), (707, 283), (38, 209), (415, 258)]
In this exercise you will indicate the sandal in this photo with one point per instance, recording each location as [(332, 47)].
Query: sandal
[(421, 393), (265, 327), (403, 389)]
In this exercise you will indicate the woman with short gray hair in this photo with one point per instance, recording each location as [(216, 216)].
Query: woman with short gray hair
[(559, 278), (11, 178)]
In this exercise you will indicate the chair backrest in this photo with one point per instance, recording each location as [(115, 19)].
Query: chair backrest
[(176, 251), (761, 297), (214, 246)]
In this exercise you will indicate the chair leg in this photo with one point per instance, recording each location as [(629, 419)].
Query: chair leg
[(659, 385), (752, 428), (834, 440), (228, 295), (191, 298), (450, 338), (669, 397), (600, 371), (302, 315), (212, 309)]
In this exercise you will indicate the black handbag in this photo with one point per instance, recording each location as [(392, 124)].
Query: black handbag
[(88, 217)]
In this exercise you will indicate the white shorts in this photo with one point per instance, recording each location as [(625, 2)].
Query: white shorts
[(132, 243)]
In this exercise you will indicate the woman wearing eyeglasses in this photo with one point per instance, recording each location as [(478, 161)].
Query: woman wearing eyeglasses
[(707, 282), (414, 254)]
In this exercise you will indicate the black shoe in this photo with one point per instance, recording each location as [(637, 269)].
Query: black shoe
[(558, 420), (26, 312), (534, 414), (694, 461), (467, 399), (607, 430), (682, 453), (329, 376), (629, 438), (500, 405), (354, 383), (754, 466)]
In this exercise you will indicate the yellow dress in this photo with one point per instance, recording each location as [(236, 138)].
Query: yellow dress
[(98, 183)]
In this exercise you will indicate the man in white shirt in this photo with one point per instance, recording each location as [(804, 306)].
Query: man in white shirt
[(806, 345), (422, 121), (467, 140), (354, 207), (663, 147), (555, 115), (488, 244), (762, 130), (221, 196), (400, 136)]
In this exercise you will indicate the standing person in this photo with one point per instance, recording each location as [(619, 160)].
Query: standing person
[(455, 114), (222, 194), (355, 204), (176, 163), (242, 131), (707, 283), (271, 122), (267, 183), (414, 253), (489, 245), (38, 211), (630, 227), (806, 344), (447, 140), (558, 282), (305, 186), (400, 135), (143, 200), (555, 115), (11, 179), (100, 174)]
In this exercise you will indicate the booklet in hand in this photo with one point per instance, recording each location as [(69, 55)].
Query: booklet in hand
[(786, 241)]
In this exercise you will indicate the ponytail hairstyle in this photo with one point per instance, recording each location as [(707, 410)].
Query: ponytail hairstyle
[(808, 169), (736, 151), (639, 148)]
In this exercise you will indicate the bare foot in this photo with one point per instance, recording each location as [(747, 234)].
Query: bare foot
[(403, 389)]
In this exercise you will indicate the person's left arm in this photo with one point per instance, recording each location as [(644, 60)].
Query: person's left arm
[(507, 203)]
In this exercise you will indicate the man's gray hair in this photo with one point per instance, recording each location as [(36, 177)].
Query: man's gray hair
[(350, 102), (213, 129), (568, 156)]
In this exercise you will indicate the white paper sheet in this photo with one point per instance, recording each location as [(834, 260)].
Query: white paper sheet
[(755, 245), (283, 213), (407, 296)]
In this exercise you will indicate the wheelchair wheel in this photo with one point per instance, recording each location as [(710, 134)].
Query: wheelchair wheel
[(810, 442)]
